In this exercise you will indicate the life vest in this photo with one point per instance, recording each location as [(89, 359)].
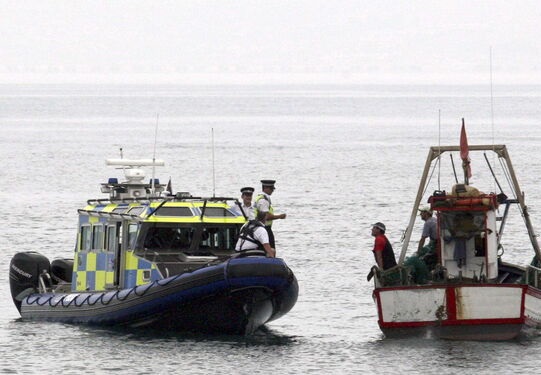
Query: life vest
[(247, 233), (388, 255), (268, 223)]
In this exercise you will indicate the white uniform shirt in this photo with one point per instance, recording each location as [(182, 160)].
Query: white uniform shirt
[(263, 205), (248, 210), (260, 234)]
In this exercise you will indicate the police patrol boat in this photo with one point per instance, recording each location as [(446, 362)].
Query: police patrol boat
[(470, 293), (145, 258)]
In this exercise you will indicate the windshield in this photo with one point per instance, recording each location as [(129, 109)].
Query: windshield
[(187, 238)]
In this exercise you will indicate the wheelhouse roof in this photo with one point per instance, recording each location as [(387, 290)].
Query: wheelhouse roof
[(194, 210)]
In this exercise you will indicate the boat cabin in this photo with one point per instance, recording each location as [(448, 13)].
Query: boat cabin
[(142, 234), (467, 227)]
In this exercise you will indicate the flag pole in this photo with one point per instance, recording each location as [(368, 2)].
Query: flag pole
[(464, 154)]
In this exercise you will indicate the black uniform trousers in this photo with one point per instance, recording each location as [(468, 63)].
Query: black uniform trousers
[(271, 236)]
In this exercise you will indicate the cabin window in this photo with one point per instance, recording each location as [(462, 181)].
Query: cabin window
[(217, 212), (132, 235), (136, 210), (97, 236), (223, 238), (112, 241), (174, 211), (463, 226), (169, 238), (175, 237), (86, 238), (120, 209)]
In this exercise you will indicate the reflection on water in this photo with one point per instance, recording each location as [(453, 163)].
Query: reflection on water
[(264, 336)]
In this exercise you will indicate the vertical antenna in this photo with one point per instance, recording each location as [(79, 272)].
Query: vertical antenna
[(213, 169), (122, 157), (491, 97), (439, 148), (154, 156), (492, 111)]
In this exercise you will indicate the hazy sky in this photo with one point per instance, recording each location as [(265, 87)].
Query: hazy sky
[(250, 41)]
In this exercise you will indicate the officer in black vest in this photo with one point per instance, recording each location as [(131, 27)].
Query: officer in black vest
[(253, 235)]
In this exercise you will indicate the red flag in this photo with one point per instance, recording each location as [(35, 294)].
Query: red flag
[(464, 151)]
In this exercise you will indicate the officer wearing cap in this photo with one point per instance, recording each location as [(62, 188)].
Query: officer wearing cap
[(245, 207), (263, 204), (383, 251)]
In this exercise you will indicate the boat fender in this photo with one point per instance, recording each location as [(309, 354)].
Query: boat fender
[(25, 270)]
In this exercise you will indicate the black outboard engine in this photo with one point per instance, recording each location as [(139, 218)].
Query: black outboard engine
[(24, 271), (61, 270)]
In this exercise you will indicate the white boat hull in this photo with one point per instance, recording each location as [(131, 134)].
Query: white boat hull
[(462, 312)]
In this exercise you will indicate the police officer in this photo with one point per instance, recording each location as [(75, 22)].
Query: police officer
[(263, 204), (246, 203), (253, 235)]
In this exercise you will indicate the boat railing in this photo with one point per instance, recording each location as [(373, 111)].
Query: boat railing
[(533, 276), (394, 276), (115, 215), (45, 282), (171, 198), (124, 200)]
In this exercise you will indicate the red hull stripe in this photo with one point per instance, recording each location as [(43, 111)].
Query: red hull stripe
[(417, 287), (468, 322)]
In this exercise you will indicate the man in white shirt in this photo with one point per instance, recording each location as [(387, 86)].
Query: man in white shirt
[(253, 235), (246, 204), (263, 204)]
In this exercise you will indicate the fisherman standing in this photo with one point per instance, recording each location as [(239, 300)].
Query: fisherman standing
[(383, 251), (263, 204), (253, 235), (430, 231), (245, 207)]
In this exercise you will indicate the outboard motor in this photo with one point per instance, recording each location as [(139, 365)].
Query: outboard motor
[(24, 272), (61, 270)]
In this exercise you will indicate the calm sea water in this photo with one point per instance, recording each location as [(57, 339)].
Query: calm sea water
[(343, 157)]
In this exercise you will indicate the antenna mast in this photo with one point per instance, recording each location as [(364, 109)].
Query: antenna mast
[(153, 190), (492, 110), (439, 148), (213, 168), (491, 97)]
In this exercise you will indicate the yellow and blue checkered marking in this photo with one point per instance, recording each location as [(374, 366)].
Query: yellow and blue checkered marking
[(94, 270)]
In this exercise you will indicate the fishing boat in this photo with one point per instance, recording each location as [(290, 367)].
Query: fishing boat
[(148, 258), (471, 291)]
